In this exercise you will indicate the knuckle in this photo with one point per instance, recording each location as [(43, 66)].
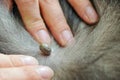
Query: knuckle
[(37, 20), (36, 23), (61, 24), (11, 60)]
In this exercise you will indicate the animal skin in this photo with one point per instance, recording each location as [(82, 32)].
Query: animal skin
[(95, 54)]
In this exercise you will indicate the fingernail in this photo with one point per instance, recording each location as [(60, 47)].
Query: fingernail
[(29, 60), (67, 36), (45, 72), (43, 36), (91, 14)]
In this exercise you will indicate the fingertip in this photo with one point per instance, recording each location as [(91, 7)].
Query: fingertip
[(43, 37), (85, 10), (90, 15), (45, 72), (65, 37)]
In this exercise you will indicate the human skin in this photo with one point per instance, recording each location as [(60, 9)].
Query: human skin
[(54, 26), (37, 13), (20, 67), (17, 67), (95, 55)]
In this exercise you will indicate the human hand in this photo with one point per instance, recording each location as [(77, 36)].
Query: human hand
[(19, 67), (35, 13)]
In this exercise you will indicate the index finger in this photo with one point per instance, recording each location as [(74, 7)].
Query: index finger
[(30, 12)]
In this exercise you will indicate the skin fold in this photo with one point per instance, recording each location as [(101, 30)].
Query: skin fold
[(94, 55)]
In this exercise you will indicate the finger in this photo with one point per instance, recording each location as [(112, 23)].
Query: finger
[(85, 10), (29, 10), (16, 60), (55, 20), (26, 73)]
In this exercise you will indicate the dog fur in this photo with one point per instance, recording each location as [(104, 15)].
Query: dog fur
[(95, 54)]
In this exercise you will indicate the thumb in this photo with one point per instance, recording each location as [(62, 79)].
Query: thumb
[(16, 60)]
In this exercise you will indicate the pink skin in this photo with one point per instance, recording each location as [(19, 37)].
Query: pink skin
[(20, 67), (33, 12)]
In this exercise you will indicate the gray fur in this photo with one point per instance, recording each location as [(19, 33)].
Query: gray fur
[(94, 56)]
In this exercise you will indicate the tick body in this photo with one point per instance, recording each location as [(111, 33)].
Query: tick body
[(45, 49)]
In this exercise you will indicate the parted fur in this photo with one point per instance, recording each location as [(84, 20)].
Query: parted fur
[(95, 55)]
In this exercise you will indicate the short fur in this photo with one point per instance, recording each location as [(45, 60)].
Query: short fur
[(94, 56)]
